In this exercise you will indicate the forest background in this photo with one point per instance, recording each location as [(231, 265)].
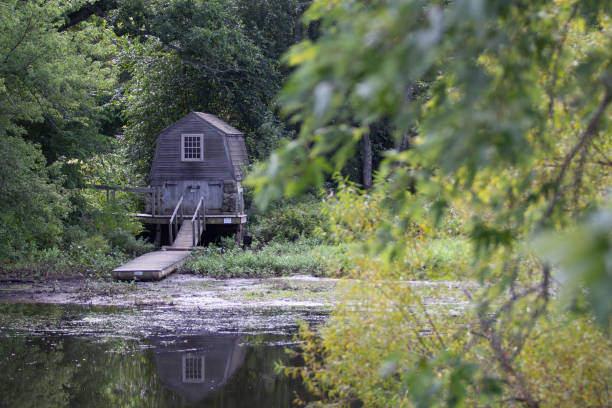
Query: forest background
[(465, 142)]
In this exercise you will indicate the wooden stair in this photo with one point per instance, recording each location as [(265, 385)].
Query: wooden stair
[(158, 264), (184, 238)]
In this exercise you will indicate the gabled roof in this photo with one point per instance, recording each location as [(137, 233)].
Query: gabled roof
[(235, 142), (218, 123), (166, 162)]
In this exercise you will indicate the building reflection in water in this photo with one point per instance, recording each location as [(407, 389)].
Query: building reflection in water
[(196, 366)]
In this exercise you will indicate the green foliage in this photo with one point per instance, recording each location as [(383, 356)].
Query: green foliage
[(52, 83), (47, 230), (187, 55), (270, 135), (127, 243), (32, 205), (53, 86), (354, 218), (506, 106), (568, 362), (274, 24), (289, 221), (275, 259), (584, 256), (110, 216), (92, 257), (227, 243)]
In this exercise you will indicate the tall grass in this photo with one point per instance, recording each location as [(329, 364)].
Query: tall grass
[(275, 259)]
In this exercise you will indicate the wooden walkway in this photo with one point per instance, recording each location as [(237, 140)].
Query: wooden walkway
[(184, 238), (157, 265)]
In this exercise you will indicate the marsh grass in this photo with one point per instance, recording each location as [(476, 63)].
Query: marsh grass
[(274, 259), (92, 256)]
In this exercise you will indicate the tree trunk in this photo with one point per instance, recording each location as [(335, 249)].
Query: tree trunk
[(405, 142), (367, 161), (403, 146)]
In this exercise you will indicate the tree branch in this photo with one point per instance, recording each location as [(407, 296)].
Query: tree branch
[(25, 32), (585, 139), (557, 57), (99, 8), (189, 61)]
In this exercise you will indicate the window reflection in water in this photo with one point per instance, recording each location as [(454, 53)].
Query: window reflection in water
[(196, 366)]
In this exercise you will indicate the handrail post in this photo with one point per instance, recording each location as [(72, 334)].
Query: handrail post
[(198, 236), (193, 237), (195, 223), (200, 226), (174, 218)]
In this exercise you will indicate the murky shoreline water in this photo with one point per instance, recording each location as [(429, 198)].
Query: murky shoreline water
[(183, 342), (69, 355), (186, 341)]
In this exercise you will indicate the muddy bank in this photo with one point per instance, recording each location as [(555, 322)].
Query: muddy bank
[(186, 303), (177, 290), (179, 303)]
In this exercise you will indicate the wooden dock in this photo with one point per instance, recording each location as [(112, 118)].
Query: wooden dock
[(152, 266), (159, 264), (211, 219)]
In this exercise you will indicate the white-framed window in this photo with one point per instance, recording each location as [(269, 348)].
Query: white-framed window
[(192, 147), (193, 368)]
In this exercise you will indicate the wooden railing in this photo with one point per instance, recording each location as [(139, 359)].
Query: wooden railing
[(198, 222), (172, 225), (154, 191)]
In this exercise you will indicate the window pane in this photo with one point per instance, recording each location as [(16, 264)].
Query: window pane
[(192, 147)]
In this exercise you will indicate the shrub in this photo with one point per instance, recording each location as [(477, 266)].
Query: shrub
[(289, 221), (92, 257), (273, 260), (126, 242)]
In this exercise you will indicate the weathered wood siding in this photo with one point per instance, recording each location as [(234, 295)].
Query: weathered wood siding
[(238, 154), (192, 190), (167, 164), (215, 177)]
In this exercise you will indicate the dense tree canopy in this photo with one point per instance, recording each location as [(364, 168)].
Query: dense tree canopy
[(53, 86), (194, 56), (53, 83), (73, 75)]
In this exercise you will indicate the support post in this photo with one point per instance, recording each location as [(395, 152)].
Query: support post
[(158, 235), (240, 234)]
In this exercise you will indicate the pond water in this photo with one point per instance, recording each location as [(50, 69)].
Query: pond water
[(66, 355)]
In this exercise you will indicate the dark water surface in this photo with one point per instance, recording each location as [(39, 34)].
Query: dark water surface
[(56, 356)]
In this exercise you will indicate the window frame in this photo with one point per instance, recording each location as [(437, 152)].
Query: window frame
[(201, 359), (191, 159)]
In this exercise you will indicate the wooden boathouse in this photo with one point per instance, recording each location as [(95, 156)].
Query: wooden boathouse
[(196, 178)]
